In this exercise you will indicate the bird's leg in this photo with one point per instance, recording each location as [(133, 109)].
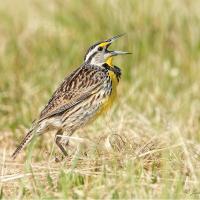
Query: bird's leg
[(58, 140)]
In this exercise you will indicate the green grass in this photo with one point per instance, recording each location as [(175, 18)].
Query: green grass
[(157, 113)]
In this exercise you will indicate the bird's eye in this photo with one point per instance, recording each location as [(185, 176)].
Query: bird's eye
[(100, 48)]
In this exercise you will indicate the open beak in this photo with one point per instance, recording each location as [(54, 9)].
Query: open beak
[(110, 41), (116, 53)]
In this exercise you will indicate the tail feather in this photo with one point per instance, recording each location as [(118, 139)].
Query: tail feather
[(23, 143)]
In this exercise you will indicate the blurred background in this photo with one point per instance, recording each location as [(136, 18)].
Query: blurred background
[(43, 41)]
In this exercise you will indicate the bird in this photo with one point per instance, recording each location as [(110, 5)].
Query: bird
[(86, 93)]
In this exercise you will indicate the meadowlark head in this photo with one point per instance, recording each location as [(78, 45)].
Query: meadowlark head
[(99, 54)]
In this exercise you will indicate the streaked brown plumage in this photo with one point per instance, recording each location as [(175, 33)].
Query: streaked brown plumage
[(81, 97)]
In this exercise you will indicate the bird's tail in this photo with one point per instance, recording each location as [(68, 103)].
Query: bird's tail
[(23, 143)]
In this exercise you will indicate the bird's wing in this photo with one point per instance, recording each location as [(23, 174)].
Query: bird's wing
[(75, 88)]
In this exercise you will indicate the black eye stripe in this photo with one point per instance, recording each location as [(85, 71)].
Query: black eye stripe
[(100, 48), (90, 58), (91, 48)]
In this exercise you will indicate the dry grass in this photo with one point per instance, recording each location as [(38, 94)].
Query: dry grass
[(148, 145), (146, 161)]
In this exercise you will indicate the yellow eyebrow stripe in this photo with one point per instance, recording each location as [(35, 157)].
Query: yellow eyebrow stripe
[(103, 44)]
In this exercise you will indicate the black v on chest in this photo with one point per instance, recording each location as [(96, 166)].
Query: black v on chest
[(115, 69)]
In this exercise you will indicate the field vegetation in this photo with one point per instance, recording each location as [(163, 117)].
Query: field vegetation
[(148, 145)]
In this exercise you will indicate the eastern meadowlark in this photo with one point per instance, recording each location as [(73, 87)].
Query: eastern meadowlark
[(83, 95)]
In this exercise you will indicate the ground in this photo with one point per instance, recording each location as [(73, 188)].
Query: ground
[(147, 146)]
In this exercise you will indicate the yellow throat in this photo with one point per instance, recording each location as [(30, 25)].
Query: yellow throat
[(109, 61)]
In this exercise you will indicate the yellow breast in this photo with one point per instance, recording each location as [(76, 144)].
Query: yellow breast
[(110, 99)]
